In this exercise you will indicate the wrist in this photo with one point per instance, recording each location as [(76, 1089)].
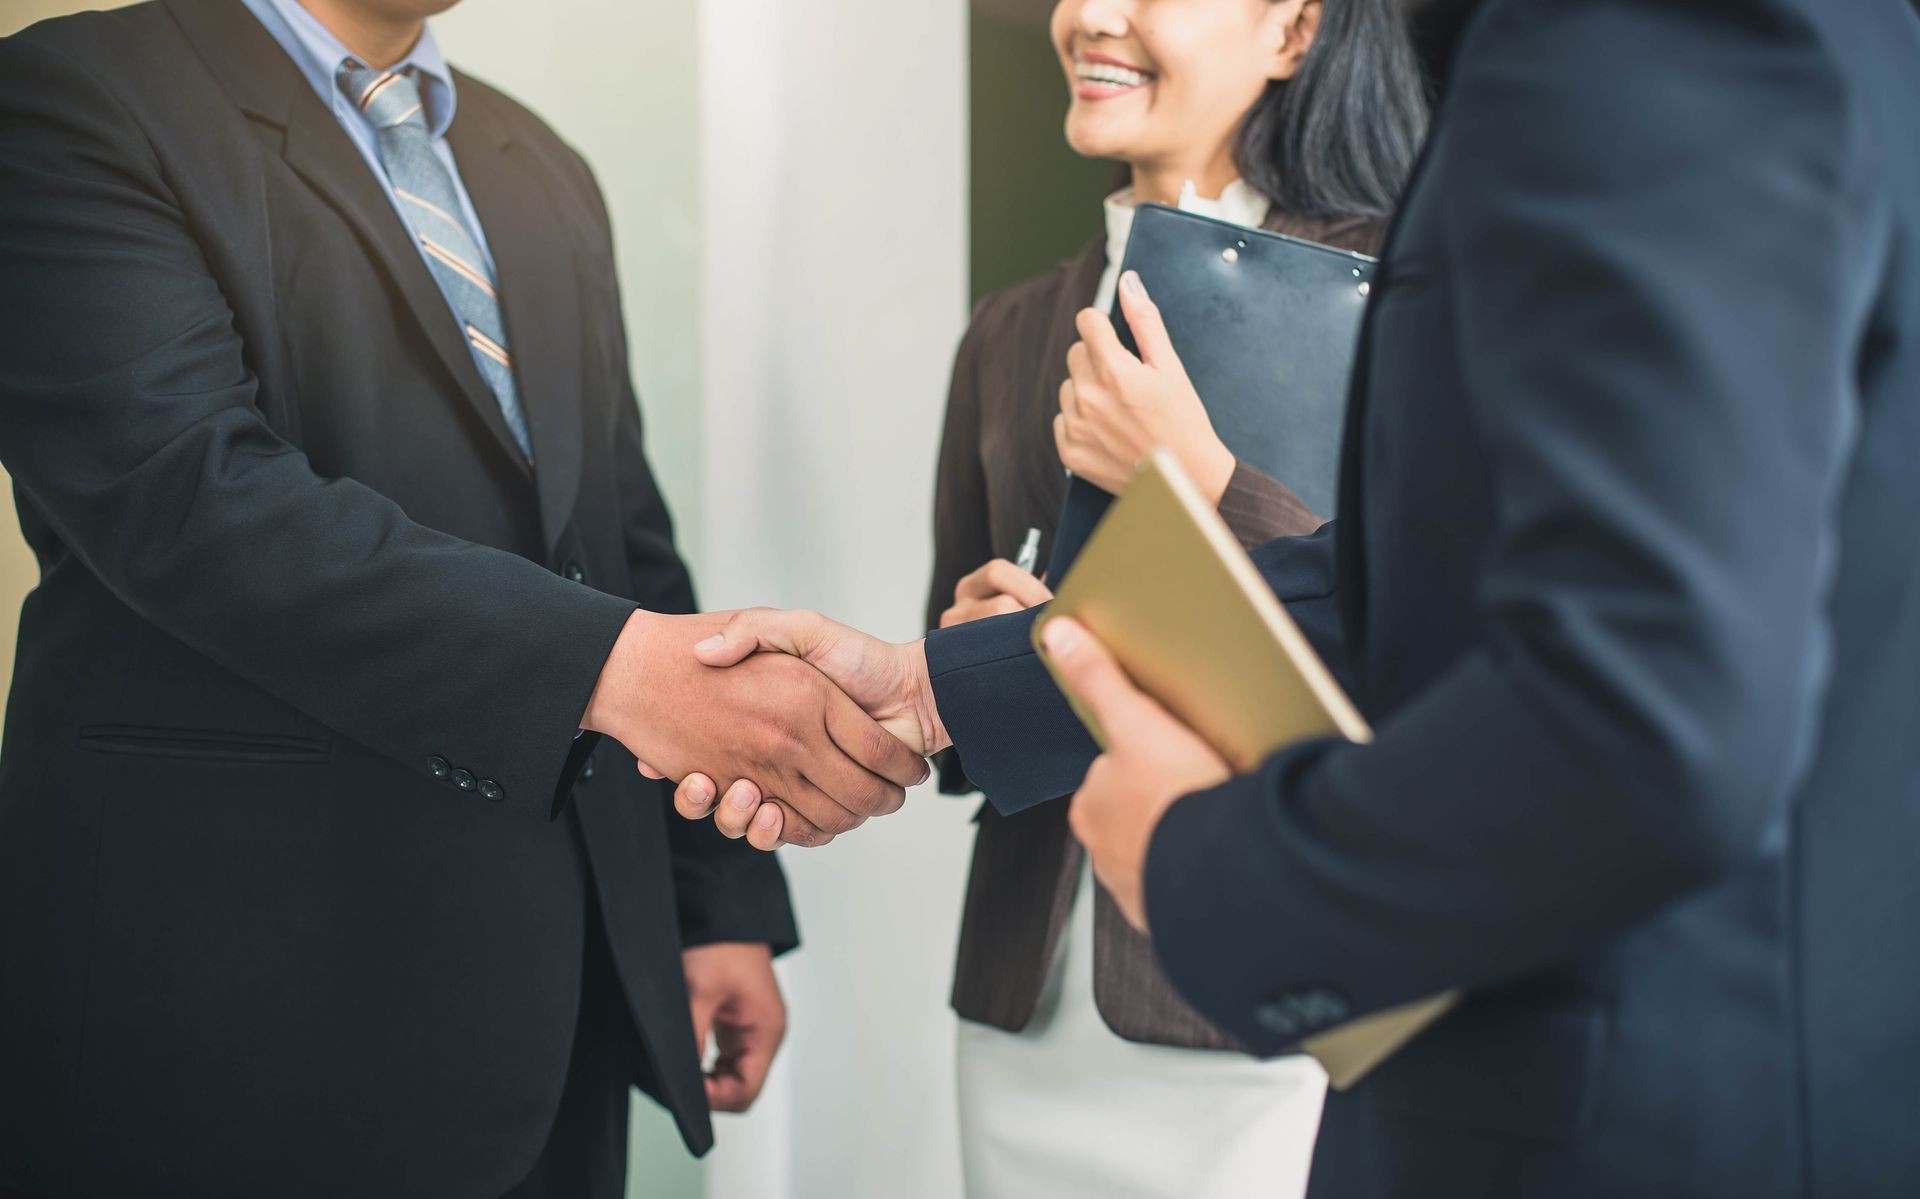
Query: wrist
[(1212, 469), (609, 707), (926, 710)]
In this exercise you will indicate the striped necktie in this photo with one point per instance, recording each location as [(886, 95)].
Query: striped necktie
[(391, 102)]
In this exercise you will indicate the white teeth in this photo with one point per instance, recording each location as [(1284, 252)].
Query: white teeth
[(1107, 73)]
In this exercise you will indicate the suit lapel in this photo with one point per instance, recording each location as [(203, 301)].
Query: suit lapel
[(267, 85), (540, 298)]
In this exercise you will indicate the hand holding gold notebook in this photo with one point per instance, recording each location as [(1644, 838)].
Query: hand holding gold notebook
[(1166, 587)]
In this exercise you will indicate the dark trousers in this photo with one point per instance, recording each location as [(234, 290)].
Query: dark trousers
[(586, 1152)]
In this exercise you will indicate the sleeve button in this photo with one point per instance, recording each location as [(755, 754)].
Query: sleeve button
[(491, 791), (464, 780), (438, 765), (1278, 1018)]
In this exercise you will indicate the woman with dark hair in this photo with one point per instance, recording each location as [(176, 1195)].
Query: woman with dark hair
[(1080, 1069)]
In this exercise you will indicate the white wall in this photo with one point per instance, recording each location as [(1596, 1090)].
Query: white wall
[(617, 80), (834, 291)]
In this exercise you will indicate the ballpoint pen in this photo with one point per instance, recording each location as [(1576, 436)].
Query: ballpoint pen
[(1029, 556)]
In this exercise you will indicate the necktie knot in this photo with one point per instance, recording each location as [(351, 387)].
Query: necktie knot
[(388, 98)]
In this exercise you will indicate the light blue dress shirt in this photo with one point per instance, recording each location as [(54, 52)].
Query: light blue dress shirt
[(318, 54)]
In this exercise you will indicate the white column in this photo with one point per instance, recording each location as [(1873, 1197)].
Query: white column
[(833, 185)]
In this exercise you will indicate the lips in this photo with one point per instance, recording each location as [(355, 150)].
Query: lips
[(1099, 77)]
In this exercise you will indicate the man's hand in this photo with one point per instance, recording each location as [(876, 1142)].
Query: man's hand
[(737, 1000), (775, 719), (1116, 408), (888, 681), (1154, 760), (995, 589)]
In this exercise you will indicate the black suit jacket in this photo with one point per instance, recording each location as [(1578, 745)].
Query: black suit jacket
[(283, 907), (1626, 579)]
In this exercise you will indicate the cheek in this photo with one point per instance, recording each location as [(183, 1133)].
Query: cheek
[(1210, 75), (1060, 27)]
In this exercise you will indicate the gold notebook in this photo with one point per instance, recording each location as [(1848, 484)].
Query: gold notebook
[(1167, 588)]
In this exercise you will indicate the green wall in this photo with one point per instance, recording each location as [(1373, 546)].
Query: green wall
[(1034, 201)]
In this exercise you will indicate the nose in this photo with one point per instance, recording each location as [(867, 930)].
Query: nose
[(1102, 18)]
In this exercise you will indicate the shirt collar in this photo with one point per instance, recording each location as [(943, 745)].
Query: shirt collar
[(318, 54)]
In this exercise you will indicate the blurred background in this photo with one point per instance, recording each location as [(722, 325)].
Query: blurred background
[(806, 198)]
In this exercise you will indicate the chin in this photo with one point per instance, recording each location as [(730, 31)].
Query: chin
[(1096, 142)]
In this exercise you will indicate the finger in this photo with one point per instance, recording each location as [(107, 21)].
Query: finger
[(757, 629), (726, 1092), (1092, 675), (694, 797), (979, 583), (778, 824), (1079, 362), (648, 771), (702, 1028), (970, 610), (1104, 350), (1149, 330), (767, 825), (738, 1077), (737, 808), (874, 752), (1008, 579), (1070, 400), (810, 818)]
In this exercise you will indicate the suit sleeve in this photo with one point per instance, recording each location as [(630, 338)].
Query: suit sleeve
[(1259, 507), (1021, 741), (725, 890), (130, 422), (1658, 278)]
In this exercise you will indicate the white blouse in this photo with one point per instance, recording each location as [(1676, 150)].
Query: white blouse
[(1238, 203)]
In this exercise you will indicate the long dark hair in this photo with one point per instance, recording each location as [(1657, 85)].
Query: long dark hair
[(1338, 139)]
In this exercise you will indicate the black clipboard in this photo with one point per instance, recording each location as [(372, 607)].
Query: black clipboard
[(1266, 326)]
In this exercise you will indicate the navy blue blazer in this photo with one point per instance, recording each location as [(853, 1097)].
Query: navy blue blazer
[(1626, 579)]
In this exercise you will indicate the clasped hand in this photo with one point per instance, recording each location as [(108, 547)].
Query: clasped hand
[(1153, 760)]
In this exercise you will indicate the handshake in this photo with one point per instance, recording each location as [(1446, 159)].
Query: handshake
[(798, 728), (787, 727)]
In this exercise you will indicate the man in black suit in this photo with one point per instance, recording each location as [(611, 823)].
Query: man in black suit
[(316, 401), (1625, 578)]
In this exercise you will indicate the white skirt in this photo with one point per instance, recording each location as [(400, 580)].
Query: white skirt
[(1066, 1107)]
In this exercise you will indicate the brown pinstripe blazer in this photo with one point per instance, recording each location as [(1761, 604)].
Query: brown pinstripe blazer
[(998, 476)]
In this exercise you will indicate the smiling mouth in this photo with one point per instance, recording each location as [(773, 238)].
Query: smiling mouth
[(1110, 76)]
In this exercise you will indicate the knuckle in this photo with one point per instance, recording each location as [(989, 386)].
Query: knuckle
[(877, 745), (1077, 820), (804, 833), (833, 824), (884, 799), (869, 798)]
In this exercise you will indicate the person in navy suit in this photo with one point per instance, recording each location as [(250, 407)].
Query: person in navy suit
[(1625, 579)]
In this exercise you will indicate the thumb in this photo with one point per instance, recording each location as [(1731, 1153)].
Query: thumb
[(1149, 331), (756, 629), (1093, 676)]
